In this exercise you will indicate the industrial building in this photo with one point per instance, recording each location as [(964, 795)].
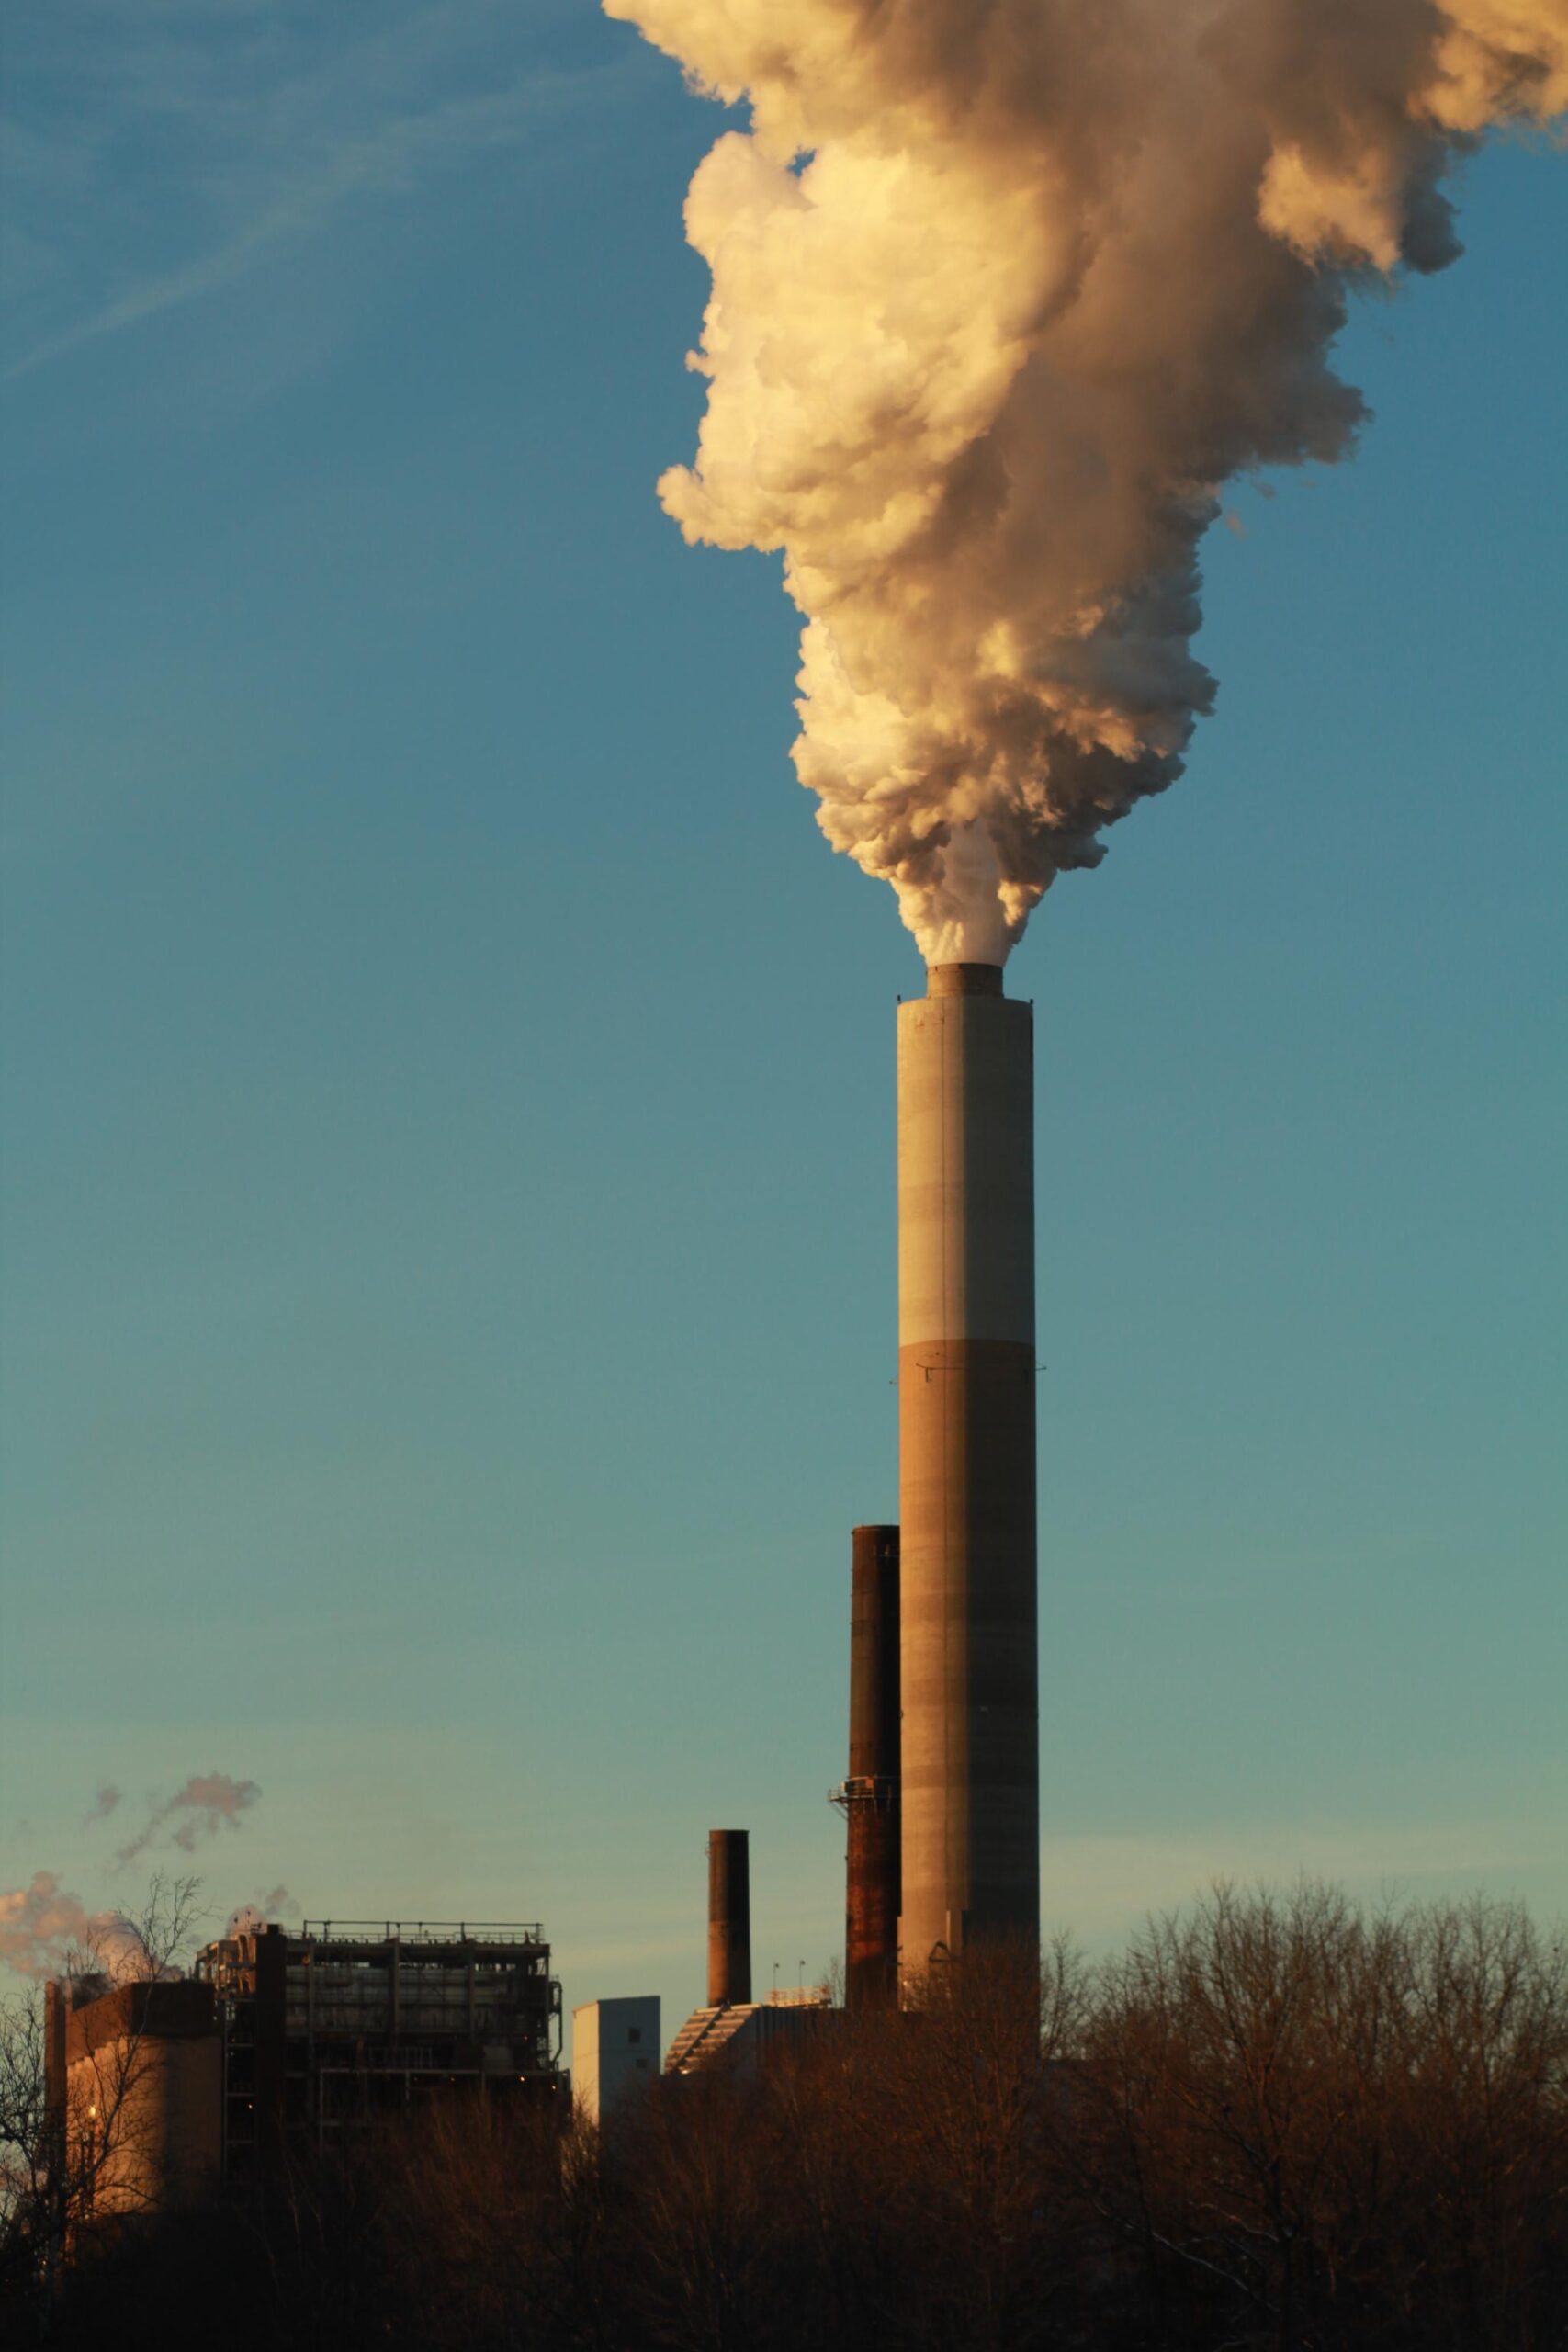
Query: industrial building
[(287, 2040), (746, 2034), (730, 2028), (328, 2027), (615, 2051), (282, 2043), (133, 2095)]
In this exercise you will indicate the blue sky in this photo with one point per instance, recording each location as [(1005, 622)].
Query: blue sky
[(449, 1255)]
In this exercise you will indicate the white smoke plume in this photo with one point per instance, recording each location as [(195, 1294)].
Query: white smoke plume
[(1003, 292), (207, 1802), (249, 1918), (45, 1930)]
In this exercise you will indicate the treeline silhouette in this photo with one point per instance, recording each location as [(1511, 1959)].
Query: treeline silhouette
[(1273, 2121)]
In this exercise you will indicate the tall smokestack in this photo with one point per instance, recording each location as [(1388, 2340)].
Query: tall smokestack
[(870, 1795), (969, 1794), (729, 1919)]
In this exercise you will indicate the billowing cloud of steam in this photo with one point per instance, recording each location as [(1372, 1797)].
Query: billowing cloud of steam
[(45, 1930), (1003, 290), (207, 1802)]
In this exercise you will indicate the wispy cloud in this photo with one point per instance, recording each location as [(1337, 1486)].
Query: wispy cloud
[(207, 1802), (198, 139), (103, 1805)]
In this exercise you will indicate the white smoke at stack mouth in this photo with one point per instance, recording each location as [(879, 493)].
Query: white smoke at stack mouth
[(1001, 297)]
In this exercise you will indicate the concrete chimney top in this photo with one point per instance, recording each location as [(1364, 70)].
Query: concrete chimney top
[(963, 980)]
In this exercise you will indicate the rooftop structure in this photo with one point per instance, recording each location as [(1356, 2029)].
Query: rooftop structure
[(745, 2033)]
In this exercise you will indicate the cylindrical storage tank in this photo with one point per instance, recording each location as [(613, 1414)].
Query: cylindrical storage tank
[(729, 1919), (871, 1794), (969, 1781)]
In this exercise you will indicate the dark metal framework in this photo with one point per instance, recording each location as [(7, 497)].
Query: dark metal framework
[(331, 2026)]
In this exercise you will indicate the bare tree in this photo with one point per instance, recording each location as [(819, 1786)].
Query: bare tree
[(1276, 2123), (1319, 2128), (25, 2168)]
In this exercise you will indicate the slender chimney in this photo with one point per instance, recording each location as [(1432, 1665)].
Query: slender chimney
[(870, 1795), (729, 1919), (969, 1788)]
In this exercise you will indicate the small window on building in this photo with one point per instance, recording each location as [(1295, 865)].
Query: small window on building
[(634, 2034)]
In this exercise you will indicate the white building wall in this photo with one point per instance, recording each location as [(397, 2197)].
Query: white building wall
[(615, 2046)]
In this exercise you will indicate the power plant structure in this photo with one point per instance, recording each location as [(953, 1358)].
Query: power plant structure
[(286, 2042), (731, 2027), (283, 2044), (330, 2027), (942, 1798), (969, 1773)]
